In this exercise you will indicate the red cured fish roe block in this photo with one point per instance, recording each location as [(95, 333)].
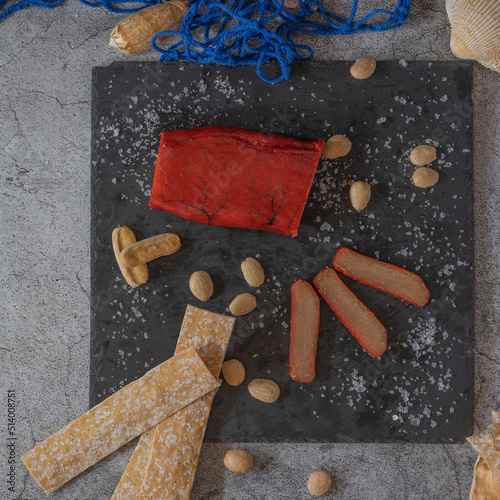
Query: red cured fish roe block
[(224, 176)]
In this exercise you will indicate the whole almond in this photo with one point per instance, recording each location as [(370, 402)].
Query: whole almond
[(201, 285), (336, 146), (239, 461), (233, 371), (425, 177), (252, 272), (363, 68), (264, 390), (319, 483), (423, 155), (243, 304), (359, 194)]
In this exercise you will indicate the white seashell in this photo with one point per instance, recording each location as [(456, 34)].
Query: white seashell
[(487, 444), (483, 485), (475, 30)]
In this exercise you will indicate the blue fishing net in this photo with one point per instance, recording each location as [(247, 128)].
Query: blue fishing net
[(246, 32)]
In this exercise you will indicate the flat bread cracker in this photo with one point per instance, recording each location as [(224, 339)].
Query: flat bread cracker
[(173, 455), (130, 482), (208, 333), (120, 418)]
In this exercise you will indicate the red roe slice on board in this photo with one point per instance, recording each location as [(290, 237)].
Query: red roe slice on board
[(358, 319), (226, 176), (304, 331), (386, 277)]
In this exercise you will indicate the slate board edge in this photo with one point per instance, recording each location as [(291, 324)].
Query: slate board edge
[(95, 363)]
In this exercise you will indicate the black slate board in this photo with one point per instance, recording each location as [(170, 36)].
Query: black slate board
[(421, 390)]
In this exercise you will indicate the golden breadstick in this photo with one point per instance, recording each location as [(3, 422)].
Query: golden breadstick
[(120, 418), (149, 249), (123, 237)]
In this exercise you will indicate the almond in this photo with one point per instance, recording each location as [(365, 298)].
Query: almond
[(201, 285), (239, 461), (359, 194), (336, 146), (252, 272), (233, 371), (423, 155), (425, 177), (243, 304), (363, 68), (319, 483), (264, 390)]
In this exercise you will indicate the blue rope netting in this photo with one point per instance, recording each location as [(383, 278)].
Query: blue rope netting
[(245, 32)]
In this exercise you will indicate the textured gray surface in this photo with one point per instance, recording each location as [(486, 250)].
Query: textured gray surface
[(45, 63)]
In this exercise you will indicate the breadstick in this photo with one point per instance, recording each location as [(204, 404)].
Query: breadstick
[(151, 248), (123, 237)]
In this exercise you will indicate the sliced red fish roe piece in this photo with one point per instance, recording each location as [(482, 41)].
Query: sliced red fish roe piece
[(389, 278), (358, 319), (226, 176), (303, 332)]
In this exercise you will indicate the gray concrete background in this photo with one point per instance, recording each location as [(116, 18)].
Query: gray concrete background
[(46, 58)]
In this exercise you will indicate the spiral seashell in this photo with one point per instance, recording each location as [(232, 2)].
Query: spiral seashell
[(487, 444), (475, 30), (133, 34)]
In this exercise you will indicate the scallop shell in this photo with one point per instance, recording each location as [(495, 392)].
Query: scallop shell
[(487, 444), (475, 30), (483, 485)]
